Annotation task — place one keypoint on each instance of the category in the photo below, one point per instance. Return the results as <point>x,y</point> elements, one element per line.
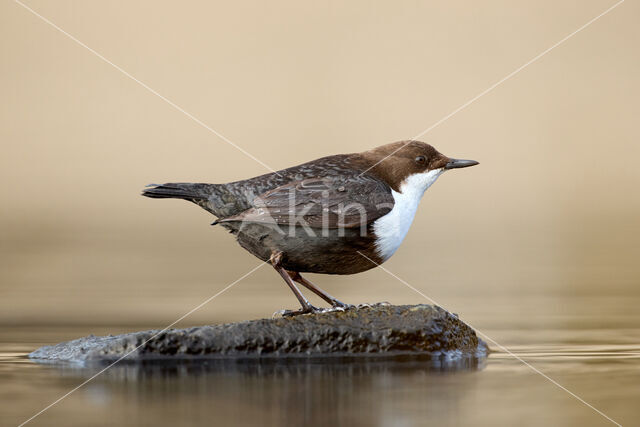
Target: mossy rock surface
<point>366,330</point>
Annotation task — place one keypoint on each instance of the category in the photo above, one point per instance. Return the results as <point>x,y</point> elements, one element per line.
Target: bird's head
<point>410,165</point>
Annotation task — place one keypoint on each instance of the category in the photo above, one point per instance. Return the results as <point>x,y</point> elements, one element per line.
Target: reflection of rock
<point>364,391</point>
<point>381,329</point>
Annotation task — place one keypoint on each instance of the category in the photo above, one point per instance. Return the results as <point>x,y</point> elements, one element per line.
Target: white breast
<point>391,229</point>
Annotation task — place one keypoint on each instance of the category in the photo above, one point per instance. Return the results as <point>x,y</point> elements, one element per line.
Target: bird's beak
<point>459,163</point>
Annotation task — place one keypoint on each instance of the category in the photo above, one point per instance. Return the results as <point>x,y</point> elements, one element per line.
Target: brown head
<point>397,161</point>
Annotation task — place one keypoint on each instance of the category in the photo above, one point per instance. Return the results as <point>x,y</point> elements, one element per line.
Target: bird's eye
<point>421,160</point>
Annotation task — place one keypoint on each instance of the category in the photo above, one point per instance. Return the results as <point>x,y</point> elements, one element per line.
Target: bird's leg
<point>276,260</point>
<point>316,290</point>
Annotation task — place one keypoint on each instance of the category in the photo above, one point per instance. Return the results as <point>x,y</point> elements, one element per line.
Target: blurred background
<point>553,208</point>
<point>542,236</point>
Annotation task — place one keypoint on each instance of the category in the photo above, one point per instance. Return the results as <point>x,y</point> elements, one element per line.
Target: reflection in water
<point>272,368</point>
<point>276,392</point>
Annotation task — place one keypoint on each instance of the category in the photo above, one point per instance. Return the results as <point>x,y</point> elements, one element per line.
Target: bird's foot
<point>342,305</point>
<point>304,310</point>
<point>335,306</point>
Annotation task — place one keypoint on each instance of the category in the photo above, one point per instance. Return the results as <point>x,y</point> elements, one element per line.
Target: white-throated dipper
<point>340,214</point>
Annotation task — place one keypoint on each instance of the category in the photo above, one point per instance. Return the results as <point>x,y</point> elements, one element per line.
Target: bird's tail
<point>175,190</point>
<point>199,194</point>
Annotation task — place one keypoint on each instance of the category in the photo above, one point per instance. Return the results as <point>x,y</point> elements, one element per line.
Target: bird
<point>339,214</point>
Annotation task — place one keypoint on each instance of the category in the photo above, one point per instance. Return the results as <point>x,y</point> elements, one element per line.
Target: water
<point>595,357</point>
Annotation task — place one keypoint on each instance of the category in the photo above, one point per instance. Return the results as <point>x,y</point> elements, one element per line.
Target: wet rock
<point>380,329</point>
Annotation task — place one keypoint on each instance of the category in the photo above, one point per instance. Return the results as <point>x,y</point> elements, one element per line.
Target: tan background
<point>552,209</point>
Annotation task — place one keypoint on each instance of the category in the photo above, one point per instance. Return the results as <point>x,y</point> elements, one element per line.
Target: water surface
<point>600,364</point>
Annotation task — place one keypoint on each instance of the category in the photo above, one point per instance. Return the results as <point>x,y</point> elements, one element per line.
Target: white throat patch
<point>391,229</point>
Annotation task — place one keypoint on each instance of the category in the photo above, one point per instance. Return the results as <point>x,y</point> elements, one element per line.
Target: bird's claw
<point>305,310</point>
<point>337,305</point>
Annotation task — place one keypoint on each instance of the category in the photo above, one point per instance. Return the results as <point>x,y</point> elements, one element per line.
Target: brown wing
<point>321,202</point>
